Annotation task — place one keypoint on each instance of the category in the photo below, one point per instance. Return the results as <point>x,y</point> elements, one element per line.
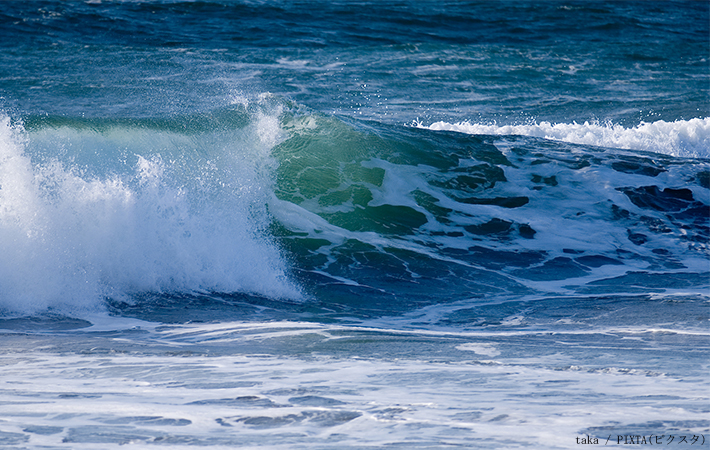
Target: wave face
<point>104,209</point>
<point>392,218</point>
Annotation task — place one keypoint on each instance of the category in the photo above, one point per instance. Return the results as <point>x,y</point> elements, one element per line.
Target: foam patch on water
<point>72,235</point>
<point>286,385</point>
<point>678,138</point>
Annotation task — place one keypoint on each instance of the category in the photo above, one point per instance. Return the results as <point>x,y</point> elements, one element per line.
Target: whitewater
<point>677,138</point>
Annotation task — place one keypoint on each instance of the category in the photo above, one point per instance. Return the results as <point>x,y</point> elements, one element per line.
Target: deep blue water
<point>454,208</point>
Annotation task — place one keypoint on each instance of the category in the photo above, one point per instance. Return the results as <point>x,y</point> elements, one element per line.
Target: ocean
<point>291,224</point>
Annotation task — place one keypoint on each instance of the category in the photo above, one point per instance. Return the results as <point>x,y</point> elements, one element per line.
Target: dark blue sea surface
<point>346,224</point>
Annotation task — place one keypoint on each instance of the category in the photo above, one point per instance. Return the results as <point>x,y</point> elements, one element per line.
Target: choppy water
<point>353,224</point>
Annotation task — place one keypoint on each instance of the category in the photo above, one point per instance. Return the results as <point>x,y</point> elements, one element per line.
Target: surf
<point>676,138</point>
<point>91,212</point>
<point>267,198</point>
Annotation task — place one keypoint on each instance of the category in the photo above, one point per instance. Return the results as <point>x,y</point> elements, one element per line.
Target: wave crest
<point>71,237</point>
<point>684,138</point>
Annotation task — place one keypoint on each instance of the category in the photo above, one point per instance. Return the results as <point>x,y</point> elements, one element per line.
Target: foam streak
<point>679,138</point>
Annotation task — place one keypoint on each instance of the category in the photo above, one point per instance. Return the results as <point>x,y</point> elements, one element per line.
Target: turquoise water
<point>353,224</point>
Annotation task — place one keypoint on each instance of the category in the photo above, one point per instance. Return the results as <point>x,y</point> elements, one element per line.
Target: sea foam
<point>685,138</point>
<point>71,236</point>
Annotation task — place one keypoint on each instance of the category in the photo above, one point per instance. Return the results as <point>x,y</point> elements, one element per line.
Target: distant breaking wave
<point>679,138</point>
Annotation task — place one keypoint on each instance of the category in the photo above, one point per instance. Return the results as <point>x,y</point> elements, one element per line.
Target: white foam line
<point>300,327</point>
<point>678,138</point>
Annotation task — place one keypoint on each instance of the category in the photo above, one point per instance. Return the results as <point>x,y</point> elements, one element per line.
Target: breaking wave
<point>678,138</point>
<point>91,212</point>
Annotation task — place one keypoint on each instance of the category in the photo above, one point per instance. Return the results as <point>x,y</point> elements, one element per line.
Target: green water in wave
<point>400,217</point>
